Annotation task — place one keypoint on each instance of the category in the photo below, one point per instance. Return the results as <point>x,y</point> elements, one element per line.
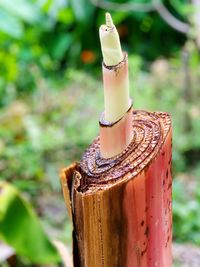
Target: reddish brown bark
<point>121,207</point>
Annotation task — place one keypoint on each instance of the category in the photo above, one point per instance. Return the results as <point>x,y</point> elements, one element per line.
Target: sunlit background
<point>51,97</point>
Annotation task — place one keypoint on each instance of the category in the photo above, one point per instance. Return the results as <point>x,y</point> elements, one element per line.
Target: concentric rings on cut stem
<point>150,130</point>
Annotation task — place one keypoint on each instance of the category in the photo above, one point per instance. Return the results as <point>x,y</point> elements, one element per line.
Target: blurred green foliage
<point>27,237</point>
<point>51,97</point>
<point>54,35</point>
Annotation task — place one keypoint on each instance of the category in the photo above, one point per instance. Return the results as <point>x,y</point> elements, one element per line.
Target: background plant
<point>51,93</point>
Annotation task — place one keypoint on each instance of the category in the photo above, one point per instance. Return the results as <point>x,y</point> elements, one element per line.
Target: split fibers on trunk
<point>121,207</point>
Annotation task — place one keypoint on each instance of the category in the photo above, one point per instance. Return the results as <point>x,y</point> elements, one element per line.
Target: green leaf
<point>21,229</point>
<point>22,9</point>
<point>82,9</point>
<point>61,45</point>
<point>10,24</point>
<point>66,16</point>
<point>47,5</point>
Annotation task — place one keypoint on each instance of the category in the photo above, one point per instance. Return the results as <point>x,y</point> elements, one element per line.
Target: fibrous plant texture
<point>121,206</point>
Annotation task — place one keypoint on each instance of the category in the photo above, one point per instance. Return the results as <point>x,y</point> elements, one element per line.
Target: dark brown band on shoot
<point>117,115</point>
<point>116,90</point>
<point>104,123</point>
<point>119,65</point>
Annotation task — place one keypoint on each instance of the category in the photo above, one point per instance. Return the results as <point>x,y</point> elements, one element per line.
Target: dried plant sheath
<point>121,207</point>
